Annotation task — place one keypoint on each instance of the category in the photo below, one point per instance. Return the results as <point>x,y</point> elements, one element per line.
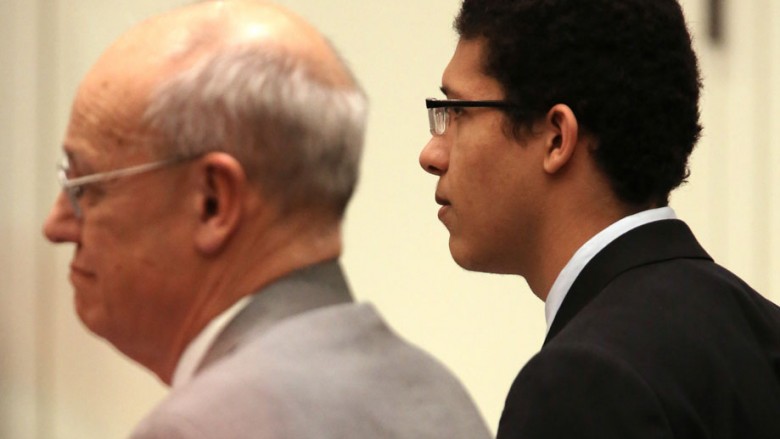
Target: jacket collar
<point>304,290</point>
<point>653,242</point>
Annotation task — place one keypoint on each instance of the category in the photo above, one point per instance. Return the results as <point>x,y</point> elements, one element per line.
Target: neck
<point>566,237</point>
<point>255,258</point>
<point>580,211</point>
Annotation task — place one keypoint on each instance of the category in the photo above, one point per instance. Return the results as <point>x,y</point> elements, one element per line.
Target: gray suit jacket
<point>303,361</point>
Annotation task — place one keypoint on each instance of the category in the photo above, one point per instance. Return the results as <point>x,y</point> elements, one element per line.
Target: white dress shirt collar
<point>196,350</point>
<point>594,245</point>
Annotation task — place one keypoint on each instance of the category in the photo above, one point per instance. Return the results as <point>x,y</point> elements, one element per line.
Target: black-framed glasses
<point>74,187</point>
<point>439,115</point>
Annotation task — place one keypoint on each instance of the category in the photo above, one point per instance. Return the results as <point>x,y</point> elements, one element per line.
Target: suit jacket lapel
<point>303,290</point>
<point>649,243</point>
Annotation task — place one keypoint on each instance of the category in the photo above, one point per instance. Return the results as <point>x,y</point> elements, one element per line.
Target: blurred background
<point>58,381</point>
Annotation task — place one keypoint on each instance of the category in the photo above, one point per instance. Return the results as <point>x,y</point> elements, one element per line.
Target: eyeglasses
<point>74,187</point>
<point>439,111</point>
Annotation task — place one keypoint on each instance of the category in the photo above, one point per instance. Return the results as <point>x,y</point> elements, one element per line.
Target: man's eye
<point>77,191</point>
<point>455,111</point>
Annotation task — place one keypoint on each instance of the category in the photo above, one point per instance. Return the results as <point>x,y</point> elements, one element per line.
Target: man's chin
<point>465,258</point>
<point>91,316</point>
<point>470,260</point>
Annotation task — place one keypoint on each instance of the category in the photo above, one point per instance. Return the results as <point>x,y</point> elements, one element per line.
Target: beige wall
<point>58,381</point>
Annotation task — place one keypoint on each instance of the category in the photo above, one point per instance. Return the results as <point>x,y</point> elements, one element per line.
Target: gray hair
<point>298,137</point>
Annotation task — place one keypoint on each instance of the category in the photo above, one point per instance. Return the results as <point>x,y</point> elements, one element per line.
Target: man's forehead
<point>465,78</point>
<point>110,106</point>
<point>102,129</point>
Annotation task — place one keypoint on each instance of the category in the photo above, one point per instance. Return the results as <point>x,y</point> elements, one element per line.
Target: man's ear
<point>562,141</point>
<point>222,188</point>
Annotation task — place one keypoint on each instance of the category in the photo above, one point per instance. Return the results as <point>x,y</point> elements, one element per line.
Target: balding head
<point>248,78</point>
<point>173,40</point>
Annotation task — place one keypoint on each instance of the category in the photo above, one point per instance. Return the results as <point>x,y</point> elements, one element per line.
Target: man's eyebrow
<point>75,161</point>
<point>449,93</point>
<point>69,153</point>
<point>446,91</point>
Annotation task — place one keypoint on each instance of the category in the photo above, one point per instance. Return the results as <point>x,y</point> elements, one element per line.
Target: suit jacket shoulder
<point>335,371</point>
<point>654,334</point>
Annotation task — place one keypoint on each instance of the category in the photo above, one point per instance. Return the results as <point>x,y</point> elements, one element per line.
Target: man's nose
<point>434,157</point>
<point>61,224</point>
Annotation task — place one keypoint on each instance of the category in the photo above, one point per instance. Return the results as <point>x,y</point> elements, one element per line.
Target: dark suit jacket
<point>653,340</point>
<point>302,361</point>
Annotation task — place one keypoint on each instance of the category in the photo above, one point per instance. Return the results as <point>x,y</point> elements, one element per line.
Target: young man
<point>566,125</point>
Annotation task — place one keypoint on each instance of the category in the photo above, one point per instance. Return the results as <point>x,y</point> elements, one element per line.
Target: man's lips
<point>445,206</point>
<point>75,269</point>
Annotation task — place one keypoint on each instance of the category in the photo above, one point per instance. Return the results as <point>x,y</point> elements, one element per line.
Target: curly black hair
<point>626,68</point>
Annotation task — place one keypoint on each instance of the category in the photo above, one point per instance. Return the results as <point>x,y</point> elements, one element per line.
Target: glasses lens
<point>437,119</point>
<point>71,192</point>
<point>73,197</point>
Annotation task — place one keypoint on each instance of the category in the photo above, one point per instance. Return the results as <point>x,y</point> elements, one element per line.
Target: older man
<point>566,126</point>
<point>209,158</point>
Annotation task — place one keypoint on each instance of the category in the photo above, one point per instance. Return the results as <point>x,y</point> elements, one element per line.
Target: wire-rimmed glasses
<point>74,187</point>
